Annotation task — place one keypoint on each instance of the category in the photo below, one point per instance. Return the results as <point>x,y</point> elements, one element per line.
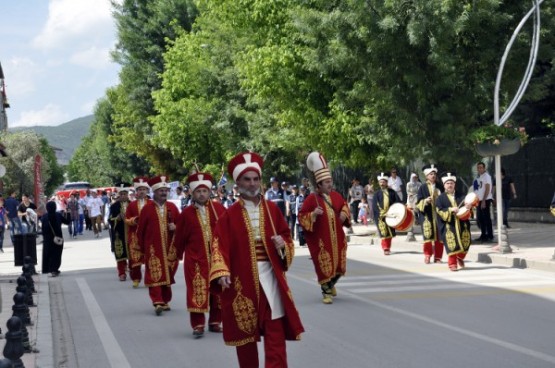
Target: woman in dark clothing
<point>51,252</point>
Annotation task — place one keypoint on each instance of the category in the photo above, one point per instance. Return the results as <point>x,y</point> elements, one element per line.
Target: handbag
<point>58,240</point>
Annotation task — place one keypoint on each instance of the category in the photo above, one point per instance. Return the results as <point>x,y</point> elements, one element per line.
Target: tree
<point>98,160</point>
<point>22,147</point>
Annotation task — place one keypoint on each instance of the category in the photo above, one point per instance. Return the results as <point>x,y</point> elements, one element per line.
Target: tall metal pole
<point>502,236</point>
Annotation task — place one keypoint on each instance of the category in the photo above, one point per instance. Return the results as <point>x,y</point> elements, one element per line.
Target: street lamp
<point>503,239</point>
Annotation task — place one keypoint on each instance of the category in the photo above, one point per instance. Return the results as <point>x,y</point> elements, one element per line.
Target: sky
<point>56,58</point>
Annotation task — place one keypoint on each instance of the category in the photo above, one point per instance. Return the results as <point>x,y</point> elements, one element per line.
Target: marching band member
<point>383,199</point>
<point>426,204</point>
<point>195,229</point>
<point>455,233</point>
<point>118,235</point>
<point>155,236</point>
<point>322,217</point>
<point>140,184</point>
<point>251,252</point>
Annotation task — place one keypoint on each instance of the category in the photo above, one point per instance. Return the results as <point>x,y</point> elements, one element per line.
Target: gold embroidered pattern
<point>450,237</point>
<point>199,288</point>
<point>218,267</point>
<point>154,265</point>
<point>118,247</point>
<point>465,238</point>
<point>427,227</point>
<point>324,259</point>
<point>243,310</point>
<point>333,231</point>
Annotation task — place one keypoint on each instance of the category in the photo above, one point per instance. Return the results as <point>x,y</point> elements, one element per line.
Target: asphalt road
<point>390,312</point>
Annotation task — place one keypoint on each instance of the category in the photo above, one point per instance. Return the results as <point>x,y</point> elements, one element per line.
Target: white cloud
<point>88,107</point>
<point>49,115</point>
<point>20,76</point>
<point>69,20</point>
<point>93,57</point>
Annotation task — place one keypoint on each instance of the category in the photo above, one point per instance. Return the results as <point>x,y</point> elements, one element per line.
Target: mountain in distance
<point>66,136</point>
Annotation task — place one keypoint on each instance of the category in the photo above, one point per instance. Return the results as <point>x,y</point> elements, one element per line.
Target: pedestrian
<point>95,207</point>
<point>86,214</point>
<point>251,252</point>
<point>195,229</point>
<point>426,204</point>
<point>155,236</point>
<point>27,224</point>
<point>298,205</point>
<point>363,211</point>
<point>118,230</point>
<point>383,199</point>
<point>132,216</point>
<point>355,195</point>
<point>455,232</point>
<point>552,207</point>
<point>52,236</point>
<point>322,216</point>
<point>3,222</point>
<point>291,209</point>
<point>276,194</point>
<point>73,211</point>
<point>394,182</point>
<point>11,204</point>
<point>484,207</point>
<point>508,192</point>
<point>369,191</point>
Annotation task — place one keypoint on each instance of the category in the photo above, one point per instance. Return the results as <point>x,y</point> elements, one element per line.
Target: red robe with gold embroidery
<point>131,219</point>
<point>325,237</point>
<point>194,237</point>
<point>156,242</point>
<point>234,255</point>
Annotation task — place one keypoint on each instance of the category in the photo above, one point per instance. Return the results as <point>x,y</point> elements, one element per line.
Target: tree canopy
<point>370,84</point>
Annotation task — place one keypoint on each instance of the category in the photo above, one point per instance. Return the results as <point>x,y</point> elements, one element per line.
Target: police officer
<point>276,194</point>
<point>291,209</point>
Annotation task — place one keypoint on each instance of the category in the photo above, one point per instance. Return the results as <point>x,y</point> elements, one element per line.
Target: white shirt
<point>484,179</point>
<point>95,206</point>
<point>266,275</point>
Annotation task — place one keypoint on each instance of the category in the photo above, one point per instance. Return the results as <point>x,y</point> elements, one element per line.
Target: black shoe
<point>478,240</point>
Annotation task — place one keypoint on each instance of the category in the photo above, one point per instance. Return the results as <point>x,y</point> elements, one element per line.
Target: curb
<point>45,359</point>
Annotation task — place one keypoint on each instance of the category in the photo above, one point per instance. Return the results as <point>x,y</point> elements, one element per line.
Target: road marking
<point>492,340</point>
<point>115,355</point>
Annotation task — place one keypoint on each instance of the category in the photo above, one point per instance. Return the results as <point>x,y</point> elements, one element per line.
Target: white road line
<point>504,344</point>
<point>115,355</point>
<point>442,285</point>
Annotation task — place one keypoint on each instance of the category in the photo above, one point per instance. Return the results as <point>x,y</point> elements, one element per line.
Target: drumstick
<point>281,251</point>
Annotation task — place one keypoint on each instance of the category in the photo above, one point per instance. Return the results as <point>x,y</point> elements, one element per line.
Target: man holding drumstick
<point>426,204</point>
<point>455,233</point>
<point>383,199</point>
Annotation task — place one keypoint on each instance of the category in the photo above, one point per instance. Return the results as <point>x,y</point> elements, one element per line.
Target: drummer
<point>455,232</point>
<point>383,199</point>
<point>426,204</point>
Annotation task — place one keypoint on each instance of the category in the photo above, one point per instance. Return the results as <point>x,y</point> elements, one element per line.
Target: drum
<point>399,217</point>
<point>464,214</point>
<point>471,198</point>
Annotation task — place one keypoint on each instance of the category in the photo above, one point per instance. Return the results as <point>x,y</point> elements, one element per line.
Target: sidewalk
<point>533,246</point>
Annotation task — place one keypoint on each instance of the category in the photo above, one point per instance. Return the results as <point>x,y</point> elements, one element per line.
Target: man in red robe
<point>322,217</point>
<point>155,236</point>
<point>251,251</point>
<point>195,228</point>
<point>132,220</point>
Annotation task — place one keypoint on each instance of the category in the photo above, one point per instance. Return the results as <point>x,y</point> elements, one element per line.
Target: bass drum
<point>464,214</point>
<point>399,217</point>
<point>472,199</point>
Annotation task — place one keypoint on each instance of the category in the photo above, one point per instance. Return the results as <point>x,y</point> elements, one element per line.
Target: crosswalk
<point>477,281</point>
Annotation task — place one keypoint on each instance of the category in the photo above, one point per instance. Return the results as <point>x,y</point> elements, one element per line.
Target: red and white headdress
<point>140,182</point>
<point>448,177</point>
<point>317,164</point>
<point>244,162</point>
<point>157,182</point>
<point>198,180</point>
